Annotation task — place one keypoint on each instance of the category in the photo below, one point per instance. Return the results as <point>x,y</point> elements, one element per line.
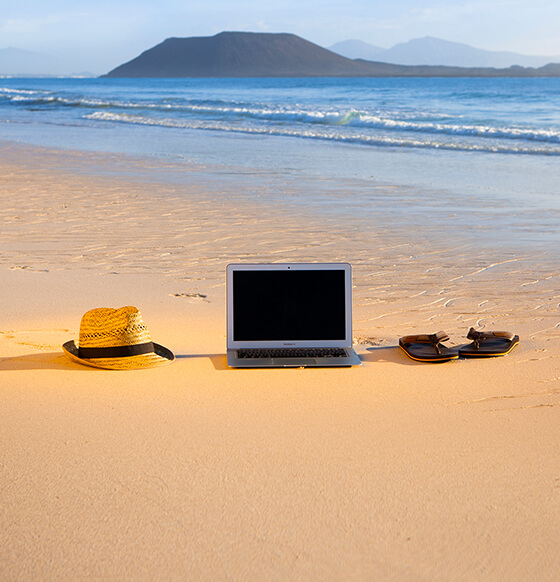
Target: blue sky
<point>97,35</point>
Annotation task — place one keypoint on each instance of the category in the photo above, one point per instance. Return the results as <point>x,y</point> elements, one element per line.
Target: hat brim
<point>159,357</point>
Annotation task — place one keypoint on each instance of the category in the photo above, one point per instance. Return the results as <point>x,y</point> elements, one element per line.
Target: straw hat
<point>116,339</point>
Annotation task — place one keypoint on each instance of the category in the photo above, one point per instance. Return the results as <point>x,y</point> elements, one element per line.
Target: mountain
<point>249,54</point>
<point>238,54</point>
<point>435,51</point>
<point>358,49</point>
<point>14,61</point>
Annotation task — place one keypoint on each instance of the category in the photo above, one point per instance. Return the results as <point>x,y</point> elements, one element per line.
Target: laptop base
<point>351,359</point>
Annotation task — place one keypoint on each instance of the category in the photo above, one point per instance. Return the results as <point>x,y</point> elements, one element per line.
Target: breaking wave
<point>400,119</point>
<point>354,137</point>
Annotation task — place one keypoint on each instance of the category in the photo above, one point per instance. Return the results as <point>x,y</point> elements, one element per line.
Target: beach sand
<point>392,470</point>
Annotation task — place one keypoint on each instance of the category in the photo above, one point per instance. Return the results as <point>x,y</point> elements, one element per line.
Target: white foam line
<point>379,287</point>
<point>485,269</point>
<point>385,315</point>
<point>321,133</point>
<point>545,330</point>
<point>335,118</point>
<point>432,303</point>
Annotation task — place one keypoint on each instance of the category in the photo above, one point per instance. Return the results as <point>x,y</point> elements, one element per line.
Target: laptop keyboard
<point>292,353</point>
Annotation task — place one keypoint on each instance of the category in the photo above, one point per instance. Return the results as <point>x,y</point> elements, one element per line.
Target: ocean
<point>484,147</point>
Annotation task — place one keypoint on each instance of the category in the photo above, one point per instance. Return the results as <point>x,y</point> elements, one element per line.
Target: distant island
<point>429,50</point>
<point>250,54</point>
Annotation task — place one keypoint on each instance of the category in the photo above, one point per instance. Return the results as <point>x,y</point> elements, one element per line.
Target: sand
<point>392,470</point>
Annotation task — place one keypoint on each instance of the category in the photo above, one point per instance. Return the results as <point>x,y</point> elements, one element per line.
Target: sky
<point>98,35</point>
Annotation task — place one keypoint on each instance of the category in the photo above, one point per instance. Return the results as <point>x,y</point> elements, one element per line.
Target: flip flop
<point>488,343</point>
<point>428,348</point>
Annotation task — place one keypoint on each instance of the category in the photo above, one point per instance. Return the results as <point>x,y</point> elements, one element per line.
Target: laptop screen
<point>289,305</point>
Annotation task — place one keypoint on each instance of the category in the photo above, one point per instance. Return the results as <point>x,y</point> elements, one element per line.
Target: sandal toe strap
<point>478,336</point>
<point>435,339</point>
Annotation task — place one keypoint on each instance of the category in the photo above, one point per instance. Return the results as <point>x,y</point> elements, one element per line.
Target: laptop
<point>289,315</point>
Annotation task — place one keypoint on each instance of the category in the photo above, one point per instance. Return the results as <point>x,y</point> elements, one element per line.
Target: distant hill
<point>435,51</point>
<point>238,54</point>
<point>358,49</point>
<point>248,54</point>
<point>14,61</point>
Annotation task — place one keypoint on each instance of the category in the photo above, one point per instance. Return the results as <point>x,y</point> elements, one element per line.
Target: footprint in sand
<point>27,268</point>
<point>40,339</point>
<point>196,296</point>
<point>370,341</point>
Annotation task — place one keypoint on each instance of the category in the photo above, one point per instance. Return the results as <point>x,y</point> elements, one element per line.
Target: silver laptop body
<point>289,315</point>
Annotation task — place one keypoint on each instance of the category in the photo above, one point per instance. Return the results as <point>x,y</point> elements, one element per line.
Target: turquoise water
<point>492,145</point>
<point>508,116</point>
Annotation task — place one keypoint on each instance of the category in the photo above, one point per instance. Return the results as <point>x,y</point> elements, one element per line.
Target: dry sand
<point>393,470</point>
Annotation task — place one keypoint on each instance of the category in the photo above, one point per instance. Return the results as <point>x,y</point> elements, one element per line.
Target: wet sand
<point>392,470</point>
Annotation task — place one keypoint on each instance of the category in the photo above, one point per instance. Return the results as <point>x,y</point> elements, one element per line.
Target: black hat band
<point>116,351</point>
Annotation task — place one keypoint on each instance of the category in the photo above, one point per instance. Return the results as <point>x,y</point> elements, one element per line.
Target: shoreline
<point>392,469</point>
<point>71,211</point>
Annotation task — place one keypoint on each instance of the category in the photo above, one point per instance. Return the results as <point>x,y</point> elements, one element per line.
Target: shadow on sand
<point>58,361</point>
<point>385,355</point>
<point>219,361</point>
<point>42,361</point>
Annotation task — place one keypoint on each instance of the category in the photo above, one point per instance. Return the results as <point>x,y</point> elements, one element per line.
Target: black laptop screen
<point>289,305</point>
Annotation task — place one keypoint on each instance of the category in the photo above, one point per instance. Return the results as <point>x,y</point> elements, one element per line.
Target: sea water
<point>478,147</point>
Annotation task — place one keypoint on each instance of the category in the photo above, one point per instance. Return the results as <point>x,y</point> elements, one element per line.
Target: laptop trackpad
<point>293,362</point>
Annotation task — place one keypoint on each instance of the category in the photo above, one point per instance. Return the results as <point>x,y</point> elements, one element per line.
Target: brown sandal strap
<point>435,339</point>
<point>478,336</point>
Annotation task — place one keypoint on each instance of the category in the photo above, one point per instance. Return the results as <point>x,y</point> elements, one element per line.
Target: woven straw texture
<point>106,328</point>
